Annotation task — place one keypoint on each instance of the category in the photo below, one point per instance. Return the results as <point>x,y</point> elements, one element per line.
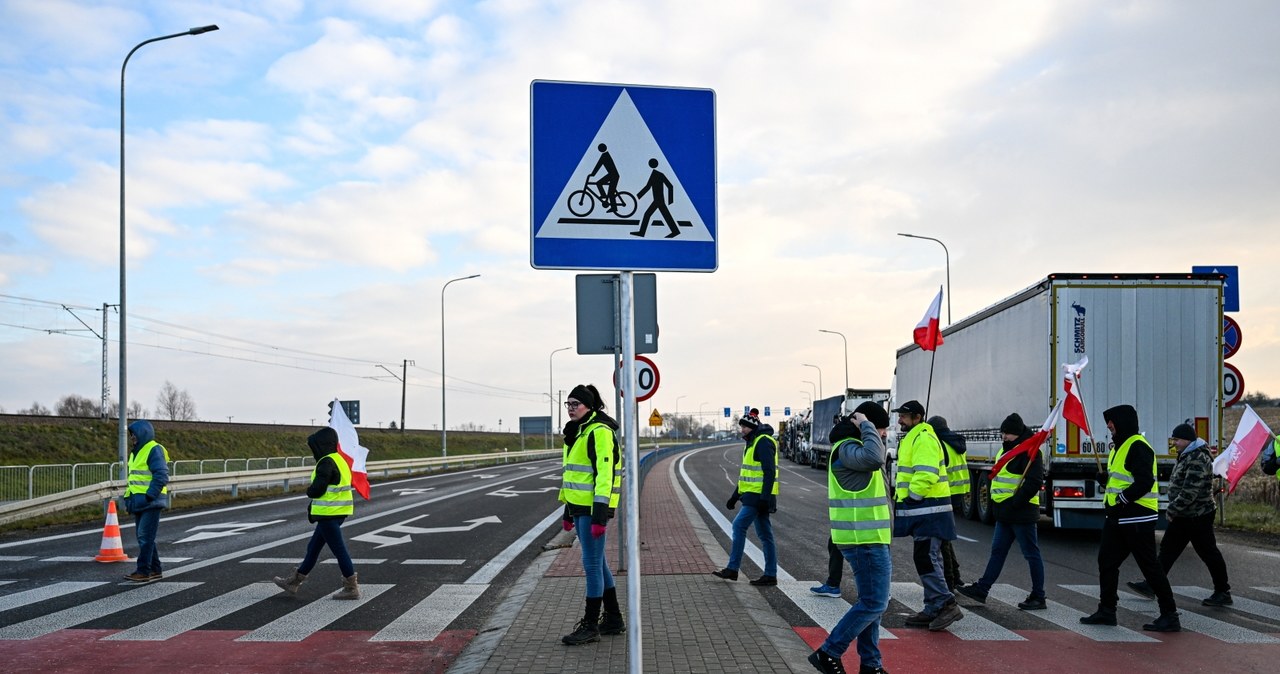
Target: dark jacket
<point>144,432</point>
<point>323,443</point>
<point>1139,463</point>
<point>767,455</point>
<point>599,513</point>
<point>1018,508</point>
<point>1191,482</point>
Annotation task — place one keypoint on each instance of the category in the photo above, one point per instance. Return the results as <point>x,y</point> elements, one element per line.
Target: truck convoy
<point>815,447</point>
<point>1153,341</point>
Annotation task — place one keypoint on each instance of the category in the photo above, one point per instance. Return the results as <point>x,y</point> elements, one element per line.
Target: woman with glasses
<point>592,481</point>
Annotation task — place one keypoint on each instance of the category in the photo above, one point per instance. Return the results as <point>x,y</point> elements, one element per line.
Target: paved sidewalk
<point>693,622</point>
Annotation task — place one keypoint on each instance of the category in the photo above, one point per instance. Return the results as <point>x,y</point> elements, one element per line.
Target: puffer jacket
<point>1191,482</point>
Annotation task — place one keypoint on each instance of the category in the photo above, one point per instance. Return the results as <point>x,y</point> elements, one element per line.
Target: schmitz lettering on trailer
<point>1078,341</point>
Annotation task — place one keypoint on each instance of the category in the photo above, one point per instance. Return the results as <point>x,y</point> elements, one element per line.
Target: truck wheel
<point>982,496</point>
<point>970,511</point>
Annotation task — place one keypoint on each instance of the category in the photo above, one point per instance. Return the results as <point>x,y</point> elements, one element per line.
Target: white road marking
<point>15,558</point>
<point>377,535</point>
<point>1222,631</point>
<point>426,620</point>
<point>972,627</point>
<point>826,611</point>
<point>1238,603</point>
<point>752,551</point>
<point>966,538</point>
<point>192,617</point>
<point>36,594</point>
<point>440,562</point>
<point>1069,618</point>
<point>89,558</point>
<point>313,617</point>
<point>52,622</point>
<point>1266,553</point>
<point>493,567</point>
<point>222,530</point>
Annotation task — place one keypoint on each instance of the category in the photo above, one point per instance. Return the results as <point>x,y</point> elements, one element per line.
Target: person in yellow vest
<point>954,446</point>
<point>591,486</point>
<point>145,496</point>
<point>331,503</point>
<point>758,491</point>
<point>861,528</point>
<point>1015,498</point>
<point>1132,508</point>
<point>922,498</point>
<point>1271,459</point>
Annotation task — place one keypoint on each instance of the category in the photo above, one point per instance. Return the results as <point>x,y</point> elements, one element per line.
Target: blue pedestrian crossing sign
<point>623,177</point>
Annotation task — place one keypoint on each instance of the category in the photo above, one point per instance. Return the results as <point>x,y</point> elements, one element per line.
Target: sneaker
<point>1100,617</point>
<point>825,663</point>
<point>1141,588</point>
<point>971,591</point>
<point>1167,622</point>
<point>612,624</point>
<point>136,577</point>
<point>950,613</point>
<point>825,590</point>
<point>156,576</point>
<point>726,573</point>
<point>765,581</point>
<point>1218,599</point>
<point>920,619</point>
<point>584,633</point>
<point>1033,603</point>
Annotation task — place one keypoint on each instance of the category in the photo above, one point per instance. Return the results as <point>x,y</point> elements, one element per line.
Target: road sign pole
<point>634,653</point>
<point>623,523</point>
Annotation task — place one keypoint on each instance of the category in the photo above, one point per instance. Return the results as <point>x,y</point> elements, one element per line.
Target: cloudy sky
<point>302,183</point>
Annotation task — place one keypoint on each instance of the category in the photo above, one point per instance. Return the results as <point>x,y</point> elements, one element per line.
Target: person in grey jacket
<point>1190,514</point>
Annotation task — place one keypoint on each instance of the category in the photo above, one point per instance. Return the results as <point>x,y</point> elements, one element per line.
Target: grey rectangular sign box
<point>598,317</point>
<point>535,425</point>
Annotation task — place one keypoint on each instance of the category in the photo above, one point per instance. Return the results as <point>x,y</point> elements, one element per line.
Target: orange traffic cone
<point>112,549</point>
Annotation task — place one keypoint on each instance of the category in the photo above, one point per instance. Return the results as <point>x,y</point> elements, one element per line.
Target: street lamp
<point>945,252</point>
<point>551,387</point>
<point>444,425</point>
<point>819,377</point>
<point>846,357</point>
<point>701,423</point>
<point>815,389</point>
<point>123,438</point>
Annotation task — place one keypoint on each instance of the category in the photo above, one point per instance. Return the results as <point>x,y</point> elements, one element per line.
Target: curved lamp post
<point>846,356</point>
<point>945,252</point>
<point>819,377</point>
<point>444,426</point>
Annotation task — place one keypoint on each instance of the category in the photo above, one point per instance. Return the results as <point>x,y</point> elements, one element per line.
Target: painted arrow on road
<point>383,541</point>
<point>413,492</point>
<point>508,492</point>
<point>223,530</point>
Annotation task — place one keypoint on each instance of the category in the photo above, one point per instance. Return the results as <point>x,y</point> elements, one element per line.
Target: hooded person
<point>954,447</point>
<point>758,491</point>
<point>146,495</point>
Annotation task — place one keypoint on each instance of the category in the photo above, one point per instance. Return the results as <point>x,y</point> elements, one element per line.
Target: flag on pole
<point>1031,446</point>
<point>1073,410</point>
<point>928,334</point>
<point>1252,436</point>
<point>350,449</point>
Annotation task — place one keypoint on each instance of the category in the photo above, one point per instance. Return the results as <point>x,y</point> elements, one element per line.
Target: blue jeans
<point>328,532</point>
<point>764,529</point>
<point>147,523</point>
<point>594,565</point>
<point>872,569</point>
<point>927,556</point>
<point>1003,539</point>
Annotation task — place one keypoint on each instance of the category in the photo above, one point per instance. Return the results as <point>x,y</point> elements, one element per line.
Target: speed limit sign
<point>1232,384</point>
<point>646,378</point>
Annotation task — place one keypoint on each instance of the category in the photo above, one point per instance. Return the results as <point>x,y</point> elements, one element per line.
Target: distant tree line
<point>172,404</point>
<point>1260,399</point>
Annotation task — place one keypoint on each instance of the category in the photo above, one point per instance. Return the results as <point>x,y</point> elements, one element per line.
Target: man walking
<point>663,195</point>
<point>758,491</point>
<point>146,495</point>
<point>923,501</point>
<point>954,448</point>
<point>1132,507</point>
<point>1190,515</point>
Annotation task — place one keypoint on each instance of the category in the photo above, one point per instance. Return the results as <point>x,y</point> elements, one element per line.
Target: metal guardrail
<point>27,482</point>
<point>107,489</point>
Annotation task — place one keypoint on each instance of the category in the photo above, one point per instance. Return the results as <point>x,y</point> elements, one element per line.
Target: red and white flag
<point>928,333</point>
<point>1031,446</point>
<point>350,449</point>
<point>1073,410</point>
<point>1252,436</point>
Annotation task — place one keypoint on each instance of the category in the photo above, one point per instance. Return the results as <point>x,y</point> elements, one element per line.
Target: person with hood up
<point>1132,508</point>
<point>758,491</point>
<point>145,496</point>
<point>332,501</point>
<point>1190,514</point>
<point>1015,499</point>
<point>954,447</point>
<point>592,483</point>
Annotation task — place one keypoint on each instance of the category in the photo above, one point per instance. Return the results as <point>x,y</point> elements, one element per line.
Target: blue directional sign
<point>726,412</point>
<point>786,411</point>
<point>1230,287</point>
<point>623,177</point>
<point>766,410</point>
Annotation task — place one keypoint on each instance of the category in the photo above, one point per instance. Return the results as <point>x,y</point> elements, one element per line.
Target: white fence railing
<point>27,482</point>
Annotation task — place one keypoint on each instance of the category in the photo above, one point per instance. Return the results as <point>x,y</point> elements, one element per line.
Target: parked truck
<point>1153,341</point>
<point>826,411</point>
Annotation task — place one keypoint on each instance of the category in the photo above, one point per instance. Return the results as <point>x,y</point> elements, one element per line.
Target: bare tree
<point>76,406</point>
<point>36,408</point>
<point>174,404</point>
<point>135,410</point>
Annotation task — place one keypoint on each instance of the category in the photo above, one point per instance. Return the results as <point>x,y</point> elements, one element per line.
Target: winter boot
<point>612,622</point>
<point>587,629</point>
<point>350,588</point>
<point>1103,616</point>
<point>1167,622</point>
<point>826,663</point>
<point>291,583</point>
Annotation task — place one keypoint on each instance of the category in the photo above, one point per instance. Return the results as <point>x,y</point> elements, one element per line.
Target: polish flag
<point>1031,446</point>
<point>350,449</point>
<point>1073,411</point>
<point>928,334</point>
<point>1252,436</point>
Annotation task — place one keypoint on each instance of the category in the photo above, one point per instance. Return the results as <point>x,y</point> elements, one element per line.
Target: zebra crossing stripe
<point>34,595</point>
<point>313,617</point>
<point>15,558</point>
<point>825,611</point>
<point>429,617</point>
<point>191,617</point>
<point>47,624</point>
<point>972,628</point>
<point>1269,590</point>
<point>1069,618</point>
<point>1237,603</point>
<point>1217,629</point>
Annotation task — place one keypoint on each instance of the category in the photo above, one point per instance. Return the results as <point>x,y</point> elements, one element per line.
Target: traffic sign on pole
<point>1230,285</point>
<point>1232,337</point>
<point>1232,385</point>
<point>646,378</point>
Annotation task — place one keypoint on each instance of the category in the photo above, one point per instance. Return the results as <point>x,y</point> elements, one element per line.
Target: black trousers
<point>1198,531</point>
<point>835,564</point>
<point>951,565</point>
<point>1118,542</point>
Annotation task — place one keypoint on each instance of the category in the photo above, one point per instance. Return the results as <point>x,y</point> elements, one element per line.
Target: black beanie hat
<point>1013,425</point>
<point>587,395</point>
<point>874,413</point>
<point>1184,432</point>
<point>750,422</point>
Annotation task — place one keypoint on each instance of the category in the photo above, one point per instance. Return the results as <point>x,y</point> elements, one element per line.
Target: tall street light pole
<point>946,253</point>
<point>815,389</point>
<point>124,394</point>
<point>444,425</point>
<point>701,423</point>
<point>819,377</point>
<point>551,387</point>
<point>846,356</point>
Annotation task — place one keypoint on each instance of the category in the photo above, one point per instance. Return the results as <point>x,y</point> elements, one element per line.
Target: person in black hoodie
<point>1132,508</point>
<point>1015,500</point>
<point>954,447</point>
<point>331,503</point>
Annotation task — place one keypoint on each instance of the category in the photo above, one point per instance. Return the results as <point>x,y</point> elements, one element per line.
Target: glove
<point>597,530</point>
<point>567,525</point>
<point>733,501</point>
<point>1101,477</point>
<point>770,503</point>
